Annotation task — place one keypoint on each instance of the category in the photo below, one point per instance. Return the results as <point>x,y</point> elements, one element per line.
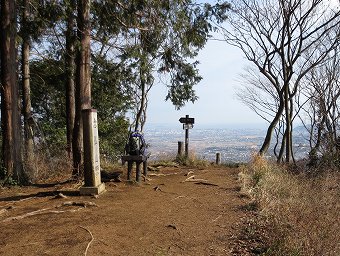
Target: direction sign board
<point>187,120</point>
<point>188,126</point>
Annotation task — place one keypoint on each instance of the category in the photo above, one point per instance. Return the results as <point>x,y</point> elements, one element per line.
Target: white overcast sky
<point>220,66</point>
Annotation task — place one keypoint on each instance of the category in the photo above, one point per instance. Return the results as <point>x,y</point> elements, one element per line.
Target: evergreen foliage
<point>134,44</point>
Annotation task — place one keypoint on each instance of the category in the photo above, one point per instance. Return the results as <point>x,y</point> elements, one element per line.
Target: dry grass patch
<point>44,168</point>
<point>304,211</point>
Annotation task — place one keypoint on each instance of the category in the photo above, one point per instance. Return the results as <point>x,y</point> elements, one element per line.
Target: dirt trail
<point>162,216</point>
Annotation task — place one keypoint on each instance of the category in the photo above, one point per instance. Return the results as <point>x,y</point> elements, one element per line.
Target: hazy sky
<point>220,67</point>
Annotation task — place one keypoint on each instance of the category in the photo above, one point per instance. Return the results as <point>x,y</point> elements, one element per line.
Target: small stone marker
<point>93,184</point>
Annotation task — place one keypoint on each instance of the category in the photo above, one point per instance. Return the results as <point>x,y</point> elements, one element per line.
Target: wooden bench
<point>138,160</point>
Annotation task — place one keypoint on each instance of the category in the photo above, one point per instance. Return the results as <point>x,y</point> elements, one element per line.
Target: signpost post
<point>188,123</point>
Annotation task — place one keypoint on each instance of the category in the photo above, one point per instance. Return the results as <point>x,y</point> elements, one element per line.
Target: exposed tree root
<point>51,210</point>
<point>199,181</point>
<point>206,183</point>
<point>82,204</point>
<point>162,174</point>
<point>193,179</point>
<point>92,238</point>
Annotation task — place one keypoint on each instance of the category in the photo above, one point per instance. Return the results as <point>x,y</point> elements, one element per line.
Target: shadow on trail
<point>53,193</point>
<point>40,194</point>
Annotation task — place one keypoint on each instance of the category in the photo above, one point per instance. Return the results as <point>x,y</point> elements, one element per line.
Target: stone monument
<point>93,184</point>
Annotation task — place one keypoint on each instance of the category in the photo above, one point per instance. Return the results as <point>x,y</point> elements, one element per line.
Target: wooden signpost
<point>188,123</point>
<point>93,184</point>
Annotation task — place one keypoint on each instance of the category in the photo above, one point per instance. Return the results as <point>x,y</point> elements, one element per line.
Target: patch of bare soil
<point>178,211</point>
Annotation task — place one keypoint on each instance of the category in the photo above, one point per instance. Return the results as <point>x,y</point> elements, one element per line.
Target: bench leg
<point>145,168</point>
<point>130,163</point>
<point>137,171</point>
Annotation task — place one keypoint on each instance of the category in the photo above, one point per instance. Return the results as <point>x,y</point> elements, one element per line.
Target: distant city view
<point>235,144</point>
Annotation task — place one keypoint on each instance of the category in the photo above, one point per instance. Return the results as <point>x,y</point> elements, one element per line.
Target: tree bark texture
<point>83,81</point>
<point>142,105</point>
<point>271,127</point>
<point>10,113</point>
<point>26,91</point>
<point>288,124</point>
<point>70,74</point>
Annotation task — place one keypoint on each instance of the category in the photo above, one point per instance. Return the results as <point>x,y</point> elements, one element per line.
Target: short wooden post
<point>218,158</point>
<point>180,148</point>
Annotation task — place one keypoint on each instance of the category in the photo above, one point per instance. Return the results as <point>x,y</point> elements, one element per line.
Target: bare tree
<point>321,116</point>
<point>257,93</point>
<point>280,37</point>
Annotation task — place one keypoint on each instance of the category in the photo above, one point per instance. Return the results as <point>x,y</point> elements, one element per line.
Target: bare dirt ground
<point>160,216</point>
